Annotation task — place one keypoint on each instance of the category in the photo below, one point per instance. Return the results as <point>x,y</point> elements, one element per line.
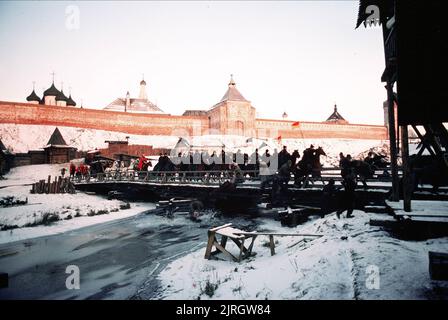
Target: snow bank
<point>339,265</point>
<point>46,214</point>
<point>21,138</point>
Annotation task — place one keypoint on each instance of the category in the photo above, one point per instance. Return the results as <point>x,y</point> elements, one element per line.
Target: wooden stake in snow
<point>59,185</point>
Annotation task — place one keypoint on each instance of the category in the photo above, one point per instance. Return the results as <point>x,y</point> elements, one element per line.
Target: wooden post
<point>391,118</point>
<point>48,186</point>
<point>211,240</point>
<point>272,244</point>
<point>407,187</point>
<point>392,142</point>
<point>58,188</point>
<point>241,250</point>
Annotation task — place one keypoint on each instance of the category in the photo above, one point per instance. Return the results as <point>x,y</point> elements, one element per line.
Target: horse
<point>112,171</point>
<point>363,170</point>
<point>309,165</point>
<point>429,169</point>
<point>97,167</point>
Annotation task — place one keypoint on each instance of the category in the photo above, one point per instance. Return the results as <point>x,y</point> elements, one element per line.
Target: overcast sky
<point>295,56</point>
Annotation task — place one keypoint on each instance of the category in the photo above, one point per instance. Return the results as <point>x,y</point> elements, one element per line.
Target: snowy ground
<point>21,138</point>
<point>72,210</point>
<point>342,264</point>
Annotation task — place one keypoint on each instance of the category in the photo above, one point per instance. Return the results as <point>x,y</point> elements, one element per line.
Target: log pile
<point>59,185</point>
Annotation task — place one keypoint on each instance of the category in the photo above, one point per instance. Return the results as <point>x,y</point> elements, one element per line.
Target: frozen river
<point>117,260</point>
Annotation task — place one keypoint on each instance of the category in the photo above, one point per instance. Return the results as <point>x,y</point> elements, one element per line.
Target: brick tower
<point>233,114</point>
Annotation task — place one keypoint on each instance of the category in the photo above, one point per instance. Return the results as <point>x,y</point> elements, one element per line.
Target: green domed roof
<point>70,101</point>
<point>52,91</point>
<point>33,97</point>
<point>61,96</point>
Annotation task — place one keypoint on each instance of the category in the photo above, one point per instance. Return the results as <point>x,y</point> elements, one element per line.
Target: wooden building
<point>57,150</point>
<point>5,159</point>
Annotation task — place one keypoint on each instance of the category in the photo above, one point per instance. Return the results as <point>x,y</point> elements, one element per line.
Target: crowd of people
<point>273,170</point>
<point>82,170</point>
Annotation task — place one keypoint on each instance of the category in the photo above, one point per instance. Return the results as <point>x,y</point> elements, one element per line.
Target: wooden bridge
<point>211,178</point>
<point>210,188</point>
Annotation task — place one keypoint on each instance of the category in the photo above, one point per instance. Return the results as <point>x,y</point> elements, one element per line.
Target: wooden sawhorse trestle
<point>227,232</point>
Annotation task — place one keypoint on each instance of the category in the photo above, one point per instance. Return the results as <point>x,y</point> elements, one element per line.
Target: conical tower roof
<point>232,93</point>
<point>2,146</point>
<point>335,116</point>
<point>56,140</point>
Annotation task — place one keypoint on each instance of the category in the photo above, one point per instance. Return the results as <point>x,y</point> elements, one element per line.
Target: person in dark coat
<point>72,170</point>
<point>344,164</point>
<point>309,152</point>
<point>283,156</point>
<point>348,197</point>
<point>294,157</point>
<point>284,174</point>
<point>328,200</point>
<point>370,158</point>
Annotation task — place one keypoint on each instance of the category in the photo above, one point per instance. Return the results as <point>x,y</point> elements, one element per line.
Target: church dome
<point>61,96</point>
<point>33,97</point>
<point>143,83</point>
<point>70,101</point>
<point>52,91</point>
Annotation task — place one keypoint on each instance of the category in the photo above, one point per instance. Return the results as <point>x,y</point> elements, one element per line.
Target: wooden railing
<point>204,177</point>
<point>199,177</point>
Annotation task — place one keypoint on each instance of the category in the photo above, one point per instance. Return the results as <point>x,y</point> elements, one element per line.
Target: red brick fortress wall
<point>154,124</point>
<point>133,123</point>
<point>274,128</point>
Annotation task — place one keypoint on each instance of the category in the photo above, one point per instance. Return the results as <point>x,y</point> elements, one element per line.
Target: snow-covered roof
<point>136,106</point>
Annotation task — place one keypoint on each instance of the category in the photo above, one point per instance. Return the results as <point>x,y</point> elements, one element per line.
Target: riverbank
<point>351,261</point>
<point>46,214</point>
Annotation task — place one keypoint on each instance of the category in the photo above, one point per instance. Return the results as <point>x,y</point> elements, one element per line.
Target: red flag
<point>296,124</point>
<point>279,138</point>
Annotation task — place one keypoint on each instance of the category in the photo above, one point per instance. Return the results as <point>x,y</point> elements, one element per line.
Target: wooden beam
<point>407,183</point>
<point>278,234</point>
<point>430,215</point>
<point>392,143</point>
<point>423,142</point>
<point>391,121</point>
<point>220,227</point>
